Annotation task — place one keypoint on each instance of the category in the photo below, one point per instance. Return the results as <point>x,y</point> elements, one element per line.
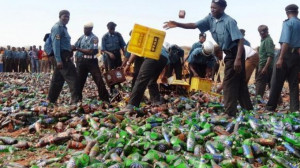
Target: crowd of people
<point>272,66</point>
<point>20,59</point>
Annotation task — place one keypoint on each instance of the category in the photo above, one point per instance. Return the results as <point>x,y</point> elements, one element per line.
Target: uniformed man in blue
<point>8,59</point>
<point>15,58</point>
<point>65,69</point>
<point>23,60</point>
<point>147,77</point>
<point>87,62</point>
<point>288,62</point>
<point>176,55</point>
<point>113,42</point>
<point>246,42</point>
<point>225,32</point>
<point>202,39</point>
<point>201,61</point>
<point>18,59</point>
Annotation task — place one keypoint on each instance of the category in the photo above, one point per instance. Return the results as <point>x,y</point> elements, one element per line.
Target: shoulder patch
<point>57,37</point>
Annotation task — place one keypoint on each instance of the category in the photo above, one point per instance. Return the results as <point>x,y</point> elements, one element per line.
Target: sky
<point>25,22</point>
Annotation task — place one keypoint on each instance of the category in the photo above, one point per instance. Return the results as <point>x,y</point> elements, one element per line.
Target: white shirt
<point>249,52</point>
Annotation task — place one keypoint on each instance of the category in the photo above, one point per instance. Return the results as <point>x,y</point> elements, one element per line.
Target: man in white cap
<point>87,49</point>
<point>201,61</point>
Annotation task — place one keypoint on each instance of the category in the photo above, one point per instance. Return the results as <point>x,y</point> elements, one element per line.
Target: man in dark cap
<point>246,42</point>
<point>227,35</point>
<point>266,55</point>
<point>202,39</point>
<point>288,62</point>
<point>65,69</point>
<point>8,59</point>
<point>176,55</point>
<point>112,42</point>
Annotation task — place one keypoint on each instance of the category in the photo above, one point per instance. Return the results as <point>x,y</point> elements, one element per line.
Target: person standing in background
<point>8,59</point>
<point>266,57</point>
<point>40,57</point>
<point>246,42</point>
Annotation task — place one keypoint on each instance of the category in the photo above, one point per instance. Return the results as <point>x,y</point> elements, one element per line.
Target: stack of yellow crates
<point>146,42</point>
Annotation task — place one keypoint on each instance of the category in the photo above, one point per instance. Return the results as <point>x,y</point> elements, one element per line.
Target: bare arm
<point>173,24</point>
<point>193,70</point>
<point>265,69</point>
<point>85,51</point>
<point>128,63</point>
<point>240,50</point>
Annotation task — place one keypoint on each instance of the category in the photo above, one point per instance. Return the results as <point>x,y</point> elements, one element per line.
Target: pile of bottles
<point>183,132</point>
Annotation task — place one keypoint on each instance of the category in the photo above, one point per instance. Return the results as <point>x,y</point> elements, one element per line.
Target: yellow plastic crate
<point>202,84</point>
<point>146,42</point>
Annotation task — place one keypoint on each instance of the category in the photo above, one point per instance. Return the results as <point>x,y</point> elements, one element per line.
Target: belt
<point>89,56</point>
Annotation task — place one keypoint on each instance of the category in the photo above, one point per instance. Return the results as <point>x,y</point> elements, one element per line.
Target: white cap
<point>89,25</point>
<point>167,46</point>
<point>208,48</point>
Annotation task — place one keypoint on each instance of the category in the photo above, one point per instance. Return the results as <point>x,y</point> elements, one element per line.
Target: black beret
<point>111,25</point>
<point>221,3</point>
<point>63,12</point>
<point>202,35</point>
<point>291,8</point>
<point>242,31</point>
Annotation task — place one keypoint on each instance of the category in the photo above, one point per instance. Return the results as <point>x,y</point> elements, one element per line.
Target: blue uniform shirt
<point>15,54</point>
<point>247,43</point>
<point>87,42</point>
<point>197,57</point>
<point>164,53</point>
<point>8,54</point>
<point>291,32</point>
<point>194,46</point>
<point>175,54</point>
<point>23,54</point>
<point>19,54</point>
<point>61,40</point>
<point>111,42</point>
<point>224,30</point>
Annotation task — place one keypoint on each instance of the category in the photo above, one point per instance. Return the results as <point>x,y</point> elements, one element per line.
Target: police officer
<point>287,64</point>
<point>65,69</point>
<point>87,49</point>
<point>225,32</point>
<point>15,59</point>
<point>266,56</point>
<point>148,75</point>
<point>201,61</point>
<point>176,55</point>
<point>202,39</point>
<point>23,60</point>
<point>246,42</point>
<point>8,59</point>
<point>112,42</point>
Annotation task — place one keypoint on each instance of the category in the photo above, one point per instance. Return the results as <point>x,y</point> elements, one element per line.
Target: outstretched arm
<point>173,24</point>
